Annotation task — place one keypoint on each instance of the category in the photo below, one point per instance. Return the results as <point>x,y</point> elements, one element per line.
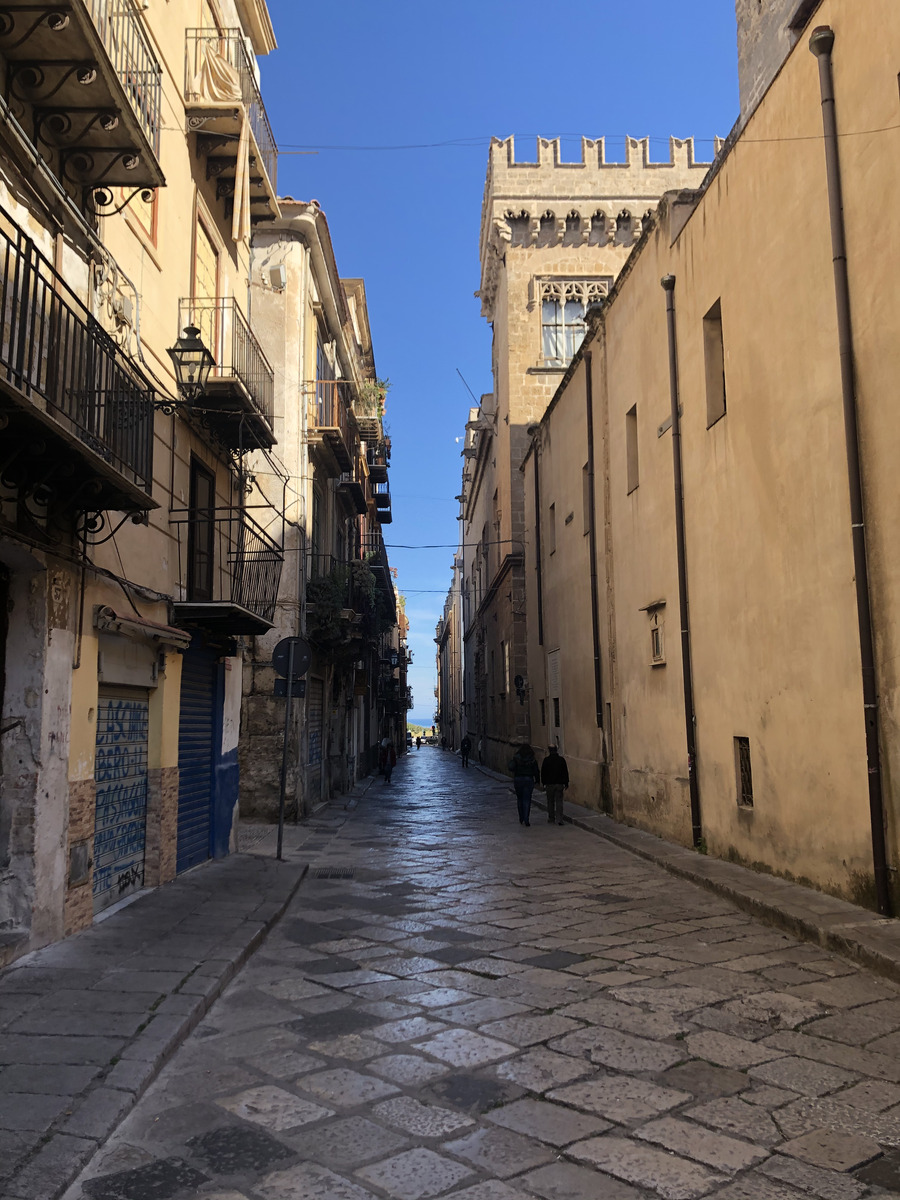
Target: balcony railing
<point>329,405</point>
<point>368,409</point>
<point>328,417</point>
<point>219,69</point>
<point>88,71</point>
<point>55,355</point>
<point>238,355</point>
<point>231,568</point>
<point>133,60</point>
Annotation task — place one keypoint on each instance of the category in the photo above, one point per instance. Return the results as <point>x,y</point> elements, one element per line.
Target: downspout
<point>592,541</point>
<point>821,44</point>
<point>539,570</point>
<point>690,720</point>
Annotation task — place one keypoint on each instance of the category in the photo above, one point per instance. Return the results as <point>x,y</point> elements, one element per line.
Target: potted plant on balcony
<point>339,604</point>
<point>326,599</point>
<point>372,396</point>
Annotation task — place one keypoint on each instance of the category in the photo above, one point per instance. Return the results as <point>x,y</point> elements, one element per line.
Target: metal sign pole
<point>284,749</point>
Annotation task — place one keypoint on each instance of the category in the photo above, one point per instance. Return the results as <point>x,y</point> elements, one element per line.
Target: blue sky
<point>354,81</point>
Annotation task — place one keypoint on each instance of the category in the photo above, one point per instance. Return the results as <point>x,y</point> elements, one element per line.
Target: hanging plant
<point>363,587</point>
<point>326,597</point>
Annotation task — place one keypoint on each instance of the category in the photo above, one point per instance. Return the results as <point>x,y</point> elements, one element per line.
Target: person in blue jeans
<point>523,767</point>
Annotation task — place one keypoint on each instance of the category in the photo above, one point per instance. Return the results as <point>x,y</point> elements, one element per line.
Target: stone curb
<point>95,1116</point>
<point>834,924</point>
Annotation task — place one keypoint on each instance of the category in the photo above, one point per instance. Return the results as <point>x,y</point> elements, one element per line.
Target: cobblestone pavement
<point>455,1005</point>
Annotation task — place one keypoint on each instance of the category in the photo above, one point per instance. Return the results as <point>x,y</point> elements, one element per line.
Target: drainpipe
<point>821,44</point>
<point>690,719</point>
<point>539,578</point>
<point>592,540</point>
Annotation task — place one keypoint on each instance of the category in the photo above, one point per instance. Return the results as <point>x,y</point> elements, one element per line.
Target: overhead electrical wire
<point>288,149</point>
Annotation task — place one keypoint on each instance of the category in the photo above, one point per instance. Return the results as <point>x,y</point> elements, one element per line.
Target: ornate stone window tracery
<point>563,305</point>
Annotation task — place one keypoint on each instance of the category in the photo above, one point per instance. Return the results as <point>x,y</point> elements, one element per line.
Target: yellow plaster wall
<point>770,570</point>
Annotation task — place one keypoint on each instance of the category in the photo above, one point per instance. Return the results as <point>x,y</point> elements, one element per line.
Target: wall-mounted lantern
<point>192,362</point>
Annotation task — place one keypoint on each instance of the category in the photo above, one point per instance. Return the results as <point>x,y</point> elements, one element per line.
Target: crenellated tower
<point>586,206</point>
<point>554,237</point>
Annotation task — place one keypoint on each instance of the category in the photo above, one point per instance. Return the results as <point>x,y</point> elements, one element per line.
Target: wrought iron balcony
<point>367,409</point>
<point>84,74</point>
<point>224,104</point>
<point>230,570</point>
<point>382,497</point>
<point>350,487</point>
<point>341,601</point>
<point>372,551</point>
<point>76,413</point>
<point>328,420</point>
<point>379,459</point>
<point>240,397</point>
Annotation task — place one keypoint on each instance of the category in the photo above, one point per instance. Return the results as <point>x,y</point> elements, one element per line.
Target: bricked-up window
<point>743,773</point>
<point>631,448</point>
<point>714,359</point>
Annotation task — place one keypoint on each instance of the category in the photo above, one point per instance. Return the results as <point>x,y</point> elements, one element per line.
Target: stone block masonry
<point>766,34</point>
<point>591,203</point>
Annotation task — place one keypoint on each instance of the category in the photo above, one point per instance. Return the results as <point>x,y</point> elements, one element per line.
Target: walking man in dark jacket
<point>555,778</point>
<point>465,748</point>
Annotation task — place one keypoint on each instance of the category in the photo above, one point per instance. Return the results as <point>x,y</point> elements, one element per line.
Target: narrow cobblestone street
<point>456,1005</point>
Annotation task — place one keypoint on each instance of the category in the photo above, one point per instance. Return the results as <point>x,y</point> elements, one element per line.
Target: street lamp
<point>192,362</point>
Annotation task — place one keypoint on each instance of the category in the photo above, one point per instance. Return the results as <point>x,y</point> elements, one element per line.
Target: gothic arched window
<point>563,305</point>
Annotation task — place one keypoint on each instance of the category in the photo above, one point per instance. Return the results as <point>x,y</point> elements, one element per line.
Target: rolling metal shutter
<point>120,775</point>
<point>315,703</point>
<point>196,730</point>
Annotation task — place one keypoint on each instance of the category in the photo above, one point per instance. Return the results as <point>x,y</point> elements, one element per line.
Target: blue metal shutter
<point>195,755</point>
<point>120,777</point>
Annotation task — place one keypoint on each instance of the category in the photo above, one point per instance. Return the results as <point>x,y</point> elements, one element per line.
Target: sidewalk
<point>86,1024</point>
<point>836,925</point>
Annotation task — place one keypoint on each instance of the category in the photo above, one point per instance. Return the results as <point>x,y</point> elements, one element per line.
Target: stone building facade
<point>554,237</point>
<point>732,615</point>
<point>767,32</point>
<point>130,561</point>
<point>330,471</point>
<point>447,635</point>
<point>139,554</point>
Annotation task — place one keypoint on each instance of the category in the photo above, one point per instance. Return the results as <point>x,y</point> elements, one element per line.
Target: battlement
<point>593,155</point>
<point>545,203</point>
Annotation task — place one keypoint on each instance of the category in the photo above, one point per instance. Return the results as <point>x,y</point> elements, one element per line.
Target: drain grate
<point>333,873</point>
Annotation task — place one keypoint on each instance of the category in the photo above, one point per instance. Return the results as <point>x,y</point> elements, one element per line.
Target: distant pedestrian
<point>555,778</point>
<point>465,749</point>
<point>443,743</point>
<point>418,743</point>
<point>523,767</point>
<point>390,760</point>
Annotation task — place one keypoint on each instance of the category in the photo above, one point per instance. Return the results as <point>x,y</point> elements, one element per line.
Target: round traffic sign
<point>302,656</point>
